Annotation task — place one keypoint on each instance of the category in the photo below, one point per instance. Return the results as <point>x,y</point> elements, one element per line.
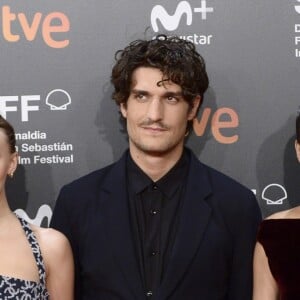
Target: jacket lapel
<point>194,217</point>
<point>116,211</point>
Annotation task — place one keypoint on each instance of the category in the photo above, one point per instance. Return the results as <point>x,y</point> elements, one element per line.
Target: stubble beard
<point>165,147</point>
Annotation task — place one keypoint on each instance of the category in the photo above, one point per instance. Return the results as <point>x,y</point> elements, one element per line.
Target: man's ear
<point>123,110</point>
<point>194,109</point>
<point>297,147</point>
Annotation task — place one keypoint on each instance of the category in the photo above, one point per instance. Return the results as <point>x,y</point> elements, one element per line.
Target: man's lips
<point>155,129</point>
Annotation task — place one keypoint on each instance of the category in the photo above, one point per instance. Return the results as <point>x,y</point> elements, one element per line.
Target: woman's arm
<point>58,260</point>
<point>264,285</point>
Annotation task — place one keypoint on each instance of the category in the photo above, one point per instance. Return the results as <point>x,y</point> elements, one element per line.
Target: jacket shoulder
<point>88,181</point>
<point>231,201</point>
<point>223,182</point>
<point>219,182</point>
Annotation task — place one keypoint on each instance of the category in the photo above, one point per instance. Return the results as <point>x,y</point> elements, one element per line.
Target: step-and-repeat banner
<point>56,58</point>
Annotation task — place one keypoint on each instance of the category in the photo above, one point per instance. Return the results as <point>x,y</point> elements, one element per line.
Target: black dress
<point>280,239</point>
<point>18,289</point>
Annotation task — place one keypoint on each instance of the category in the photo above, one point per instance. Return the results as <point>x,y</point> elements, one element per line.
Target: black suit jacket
<point>212,254</point>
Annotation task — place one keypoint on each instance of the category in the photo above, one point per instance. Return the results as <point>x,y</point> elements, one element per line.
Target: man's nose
<point>155,109</point>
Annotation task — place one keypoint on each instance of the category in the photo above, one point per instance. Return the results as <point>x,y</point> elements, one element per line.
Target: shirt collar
<point>168,184</point>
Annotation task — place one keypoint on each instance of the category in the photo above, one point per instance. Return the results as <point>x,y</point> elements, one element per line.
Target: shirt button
<point>153,212</point>
<point>154,186</point>
<point>149,294</point>
<point>153,253</point>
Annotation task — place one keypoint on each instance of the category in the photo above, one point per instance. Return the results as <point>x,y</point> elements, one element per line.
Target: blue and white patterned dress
<point>19,289</point>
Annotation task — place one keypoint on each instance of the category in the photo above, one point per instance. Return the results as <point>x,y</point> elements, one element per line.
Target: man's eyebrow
<point>137,91</point>
<point>170,93</point>
<point>165,94</point>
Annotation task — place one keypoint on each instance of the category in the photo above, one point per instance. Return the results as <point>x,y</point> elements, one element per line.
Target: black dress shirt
<point>154,210</point>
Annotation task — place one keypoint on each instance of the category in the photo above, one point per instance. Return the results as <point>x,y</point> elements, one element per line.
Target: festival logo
<point>274,194</point>
<point>25,105</point>
<point>58,99</point>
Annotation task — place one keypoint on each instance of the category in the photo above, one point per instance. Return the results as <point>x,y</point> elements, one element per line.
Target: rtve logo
<point>220,120</point>
<point>297,7</point>
<point>171,22</point>
<point>51,26</point>
<point>57,99</point>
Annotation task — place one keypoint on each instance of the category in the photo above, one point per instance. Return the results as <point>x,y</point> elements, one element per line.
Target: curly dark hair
<point>177,59</point>
<point>10,134</point>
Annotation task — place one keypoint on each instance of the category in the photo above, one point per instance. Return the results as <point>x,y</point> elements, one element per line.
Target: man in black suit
<point>159,224</point>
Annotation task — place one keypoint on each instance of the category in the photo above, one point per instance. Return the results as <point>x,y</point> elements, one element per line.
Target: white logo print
<point>297,7</point>
<point>272,189</point>
<point>26,105</point>
<point>58,99</point>
<point>43,212</point>
<point>171,22</point>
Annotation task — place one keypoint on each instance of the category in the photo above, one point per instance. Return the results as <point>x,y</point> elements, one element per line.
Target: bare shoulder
<point>58,260</point>
<point>293,213</point>
<point>51,240</point>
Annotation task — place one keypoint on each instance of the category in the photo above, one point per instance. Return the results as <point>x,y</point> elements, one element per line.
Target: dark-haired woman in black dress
<point>277,252</point>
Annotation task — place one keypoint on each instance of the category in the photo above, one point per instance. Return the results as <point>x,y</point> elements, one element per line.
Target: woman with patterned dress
<point>277,252</point>
<point>35,263</point>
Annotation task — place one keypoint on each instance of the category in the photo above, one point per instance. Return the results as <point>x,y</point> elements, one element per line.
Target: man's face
<point>156,114</point>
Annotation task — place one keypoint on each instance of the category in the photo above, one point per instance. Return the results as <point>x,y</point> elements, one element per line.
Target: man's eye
<point>172,99</point>
<point>140,97</point>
